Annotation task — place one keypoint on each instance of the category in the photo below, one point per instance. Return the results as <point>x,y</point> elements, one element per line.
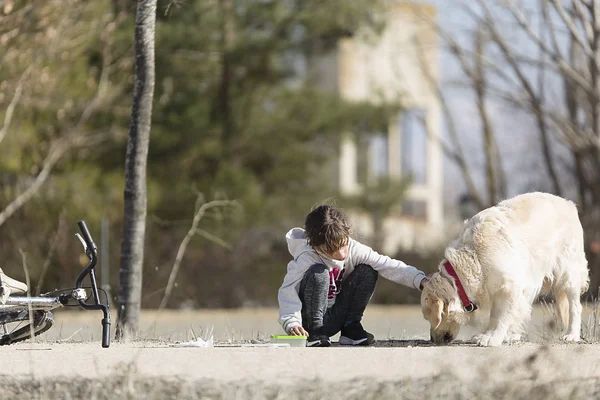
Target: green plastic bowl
<point>293,341</point>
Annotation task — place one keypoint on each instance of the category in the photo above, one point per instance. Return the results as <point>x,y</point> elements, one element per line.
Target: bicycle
<point>37,310</point>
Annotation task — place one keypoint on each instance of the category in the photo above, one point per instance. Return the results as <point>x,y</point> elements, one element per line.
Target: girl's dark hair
<point>327,228</point>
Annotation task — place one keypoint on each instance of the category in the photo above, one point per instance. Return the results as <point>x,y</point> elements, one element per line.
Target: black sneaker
<point>354,334</point>
<point>318,341</point>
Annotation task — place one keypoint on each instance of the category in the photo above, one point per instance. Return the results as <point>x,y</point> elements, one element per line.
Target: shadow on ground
<point>409,343</point>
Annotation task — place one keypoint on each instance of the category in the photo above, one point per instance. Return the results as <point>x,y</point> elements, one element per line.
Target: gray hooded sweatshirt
<point>290,305</point>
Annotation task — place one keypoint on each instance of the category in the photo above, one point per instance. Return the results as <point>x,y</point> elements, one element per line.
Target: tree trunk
<point>479,85</point>
<point>134,218</point>
<point>537,103</point>
<point>222,108</point>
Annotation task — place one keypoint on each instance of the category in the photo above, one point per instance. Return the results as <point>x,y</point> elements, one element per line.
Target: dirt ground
<point>66,364</point>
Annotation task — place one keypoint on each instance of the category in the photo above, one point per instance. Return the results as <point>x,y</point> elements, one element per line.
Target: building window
<point>362,160</point>
<point>378,163</point>
<point>415,209</point>
<point>371,158</point>
<point>413,145</point>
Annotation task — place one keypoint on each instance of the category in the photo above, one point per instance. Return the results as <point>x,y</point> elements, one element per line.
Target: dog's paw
<point>484,340</point>
<point>571,337</point>
<point>513,338</point>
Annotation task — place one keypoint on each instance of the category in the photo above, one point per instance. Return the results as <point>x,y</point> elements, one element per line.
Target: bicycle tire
<point>42,321</point>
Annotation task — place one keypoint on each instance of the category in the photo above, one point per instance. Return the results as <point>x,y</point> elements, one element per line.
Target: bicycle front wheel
<point>16,326</point>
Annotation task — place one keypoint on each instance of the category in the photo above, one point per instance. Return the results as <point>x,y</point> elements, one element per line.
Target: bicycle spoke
<point>19,326</point>
<point>13,327</point>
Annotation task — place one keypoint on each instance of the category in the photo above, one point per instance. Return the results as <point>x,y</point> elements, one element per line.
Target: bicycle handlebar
<point>86,236</point>
<point>92,252</point>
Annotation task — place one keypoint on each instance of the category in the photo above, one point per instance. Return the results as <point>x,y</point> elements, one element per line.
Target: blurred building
<point>400,65</point>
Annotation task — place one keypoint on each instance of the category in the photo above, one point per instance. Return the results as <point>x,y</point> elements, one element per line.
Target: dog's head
<point>440,308</point>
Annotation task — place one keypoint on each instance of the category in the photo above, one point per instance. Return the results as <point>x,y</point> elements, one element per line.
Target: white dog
<point>505,257</point>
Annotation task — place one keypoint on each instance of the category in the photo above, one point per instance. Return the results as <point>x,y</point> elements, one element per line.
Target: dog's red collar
<point>467,304</point>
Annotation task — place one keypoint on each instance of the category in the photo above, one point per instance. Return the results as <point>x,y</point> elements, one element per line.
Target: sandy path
<point>404,368</point>
<point>155,371</point>
<point>44,360</point>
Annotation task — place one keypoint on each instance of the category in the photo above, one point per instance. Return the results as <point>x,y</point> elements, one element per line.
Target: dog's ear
<point>436,307</point>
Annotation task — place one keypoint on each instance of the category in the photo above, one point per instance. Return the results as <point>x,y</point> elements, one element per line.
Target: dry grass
<point>127,384</point>
<point>385,322</point>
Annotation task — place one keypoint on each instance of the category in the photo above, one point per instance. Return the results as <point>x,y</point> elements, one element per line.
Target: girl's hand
<point>297,331</point>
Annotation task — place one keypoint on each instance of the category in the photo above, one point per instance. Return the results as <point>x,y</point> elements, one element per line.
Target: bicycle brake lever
<point>82,242</point>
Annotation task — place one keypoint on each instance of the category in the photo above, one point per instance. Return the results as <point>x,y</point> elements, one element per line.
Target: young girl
<point>331,280</point>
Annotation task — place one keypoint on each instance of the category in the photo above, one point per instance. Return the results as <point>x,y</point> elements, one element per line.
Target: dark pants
<point>350,303</point>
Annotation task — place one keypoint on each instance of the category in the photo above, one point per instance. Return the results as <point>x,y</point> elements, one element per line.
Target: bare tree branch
<point>57,150</point>
<point>213,238</point>
<point>556,57</point>
<point>474,65</point>
<point>201,210</point>
<point>458,154</point>
<point>13,103</point>
<point>464,54</point>
<point>53,243</point>
<point>585,45</point>
<point>52,158</point>
<point>573,135</point>
<point>72,139</point>
<point>101,90</point>
<point>525,79</point>
<point>535,99</point>
<point>538,109</point>
<point>580,12</point>
<point>479,86</point>
<point>547,18</point>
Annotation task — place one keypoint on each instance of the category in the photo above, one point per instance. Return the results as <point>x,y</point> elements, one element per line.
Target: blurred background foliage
<point>236,116</point>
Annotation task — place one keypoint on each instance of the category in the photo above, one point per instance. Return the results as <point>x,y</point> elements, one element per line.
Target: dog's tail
<point>562,308</point>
